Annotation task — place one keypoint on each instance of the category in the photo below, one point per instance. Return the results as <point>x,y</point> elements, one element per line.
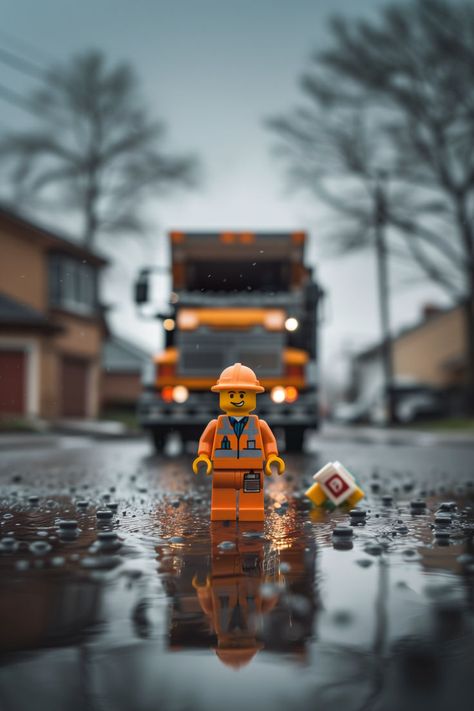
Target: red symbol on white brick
<point>336,484</point>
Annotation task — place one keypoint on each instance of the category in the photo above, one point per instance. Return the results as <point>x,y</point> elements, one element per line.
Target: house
<point>51,322</point>
<point>123,366</point>
<point>431,352</point>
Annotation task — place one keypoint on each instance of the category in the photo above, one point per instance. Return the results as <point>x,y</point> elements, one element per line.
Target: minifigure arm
<point>268,439</point>
<point>207,438</point>
<point>205,448</point>
<point>270,450</point>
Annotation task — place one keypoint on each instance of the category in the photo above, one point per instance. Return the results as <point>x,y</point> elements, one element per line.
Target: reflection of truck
<point>236,297</point>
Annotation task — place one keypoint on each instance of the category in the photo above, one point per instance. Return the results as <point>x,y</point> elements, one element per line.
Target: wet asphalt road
<point>117,593</point>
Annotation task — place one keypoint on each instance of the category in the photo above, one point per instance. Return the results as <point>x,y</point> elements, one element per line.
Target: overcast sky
<point>213,70</point>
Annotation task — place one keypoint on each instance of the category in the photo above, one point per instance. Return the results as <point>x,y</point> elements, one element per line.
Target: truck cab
<point>236,297</point>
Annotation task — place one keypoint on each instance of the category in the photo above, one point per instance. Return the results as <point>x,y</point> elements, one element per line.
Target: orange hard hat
<point>237,658</point>
<point>237,377</point>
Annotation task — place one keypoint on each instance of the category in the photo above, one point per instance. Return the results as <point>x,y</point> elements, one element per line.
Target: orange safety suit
<point>238,463</point>
<point>231,598</point>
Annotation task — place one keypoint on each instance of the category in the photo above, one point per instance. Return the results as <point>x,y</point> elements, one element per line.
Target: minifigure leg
<point>224,498</point>
<point>251,505</point>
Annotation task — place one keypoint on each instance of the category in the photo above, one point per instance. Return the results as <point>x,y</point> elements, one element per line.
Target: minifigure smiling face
<point>237,402</point>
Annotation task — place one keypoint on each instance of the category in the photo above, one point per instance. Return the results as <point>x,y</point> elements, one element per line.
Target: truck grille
<point>206,353</point>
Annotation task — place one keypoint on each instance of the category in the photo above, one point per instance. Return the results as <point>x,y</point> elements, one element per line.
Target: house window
<point>72,284</point>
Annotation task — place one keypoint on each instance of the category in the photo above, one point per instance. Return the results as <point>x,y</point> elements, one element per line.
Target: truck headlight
<point>169,324</point>
<point>291,323</point>
<point>277,394</point>
<point>180,393</point>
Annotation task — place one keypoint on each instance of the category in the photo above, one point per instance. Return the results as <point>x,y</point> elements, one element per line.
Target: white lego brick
<point>336,482</point>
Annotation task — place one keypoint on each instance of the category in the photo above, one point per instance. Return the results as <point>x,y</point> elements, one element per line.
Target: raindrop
<point>443,520</point>
<point>364,562</point>
<point>22,565</point>
<point>58,561</point>
<point>67,524</point>
<point>374,549</point>
<point>101,562</point>
<point>447,506</point>
<point>104,514</point>
<point>418,506</point>
<point>343,531</point>
<point>253,534</point>
<point>8,545</point>
<point>107,536</point>
<point>442,536</point>
<point>342,617</point>
<point>357,513</point>
<point>40,547</point>
<point>269,591</point>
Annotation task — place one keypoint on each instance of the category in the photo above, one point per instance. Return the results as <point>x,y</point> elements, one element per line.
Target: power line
<point>21,64</point>
<point>22,46</point>
<point>25,66</point>
<point>12,97</point>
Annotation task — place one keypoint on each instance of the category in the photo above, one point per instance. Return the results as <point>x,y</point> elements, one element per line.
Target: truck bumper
<point>153,412</point>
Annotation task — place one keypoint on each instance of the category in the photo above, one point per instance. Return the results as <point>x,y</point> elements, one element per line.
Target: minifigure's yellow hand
<point>202,459</point>
<point>273,459</point>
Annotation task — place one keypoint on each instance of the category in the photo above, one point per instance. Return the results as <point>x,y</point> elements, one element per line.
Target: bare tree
<point>93,147</point>
<point>395,95</point>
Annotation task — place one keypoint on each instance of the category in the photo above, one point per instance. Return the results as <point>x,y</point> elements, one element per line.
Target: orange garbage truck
<point>243,297</point>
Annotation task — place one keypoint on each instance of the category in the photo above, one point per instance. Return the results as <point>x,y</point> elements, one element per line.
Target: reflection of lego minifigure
<point>232,596</point>
<point>238,447</point>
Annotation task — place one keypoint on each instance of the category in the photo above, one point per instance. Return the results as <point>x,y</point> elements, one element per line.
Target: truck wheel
<point>158,436</point>
<point>294,437</point>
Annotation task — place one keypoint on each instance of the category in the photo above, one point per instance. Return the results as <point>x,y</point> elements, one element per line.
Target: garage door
<point>74,387</point>
<point>12,382</point>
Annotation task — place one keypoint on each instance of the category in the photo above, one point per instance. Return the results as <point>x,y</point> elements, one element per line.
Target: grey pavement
<point>394,435</point>
<point>111,576</point>
<point>329,433</point>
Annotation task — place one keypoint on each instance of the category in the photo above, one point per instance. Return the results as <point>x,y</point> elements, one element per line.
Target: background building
<point>51,323</point>
<point>430,353</point>
<point>123,364</point>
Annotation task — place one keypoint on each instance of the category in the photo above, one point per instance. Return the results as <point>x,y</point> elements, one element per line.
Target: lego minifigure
<point>232,597</point>
<point>237,448</point>
<point>334,484</point>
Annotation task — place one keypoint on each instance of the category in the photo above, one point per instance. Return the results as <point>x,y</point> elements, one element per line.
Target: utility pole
<point>380,222</point>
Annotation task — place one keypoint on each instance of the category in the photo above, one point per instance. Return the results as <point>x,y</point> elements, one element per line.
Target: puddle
<point>115,586</point>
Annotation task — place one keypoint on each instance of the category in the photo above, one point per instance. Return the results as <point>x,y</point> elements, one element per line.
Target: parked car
<point>413,402</point>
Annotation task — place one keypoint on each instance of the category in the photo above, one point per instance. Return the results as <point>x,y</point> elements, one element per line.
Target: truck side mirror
<point>142,288</point>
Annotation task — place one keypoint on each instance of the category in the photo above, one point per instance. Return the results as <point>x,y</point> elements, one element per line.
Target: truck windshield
<point>238,275</point>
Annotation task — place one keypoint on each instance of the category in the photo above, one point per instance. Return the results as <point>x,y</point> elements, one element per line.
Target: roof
<point>376,348</point>
<point>16,314</point>
<point>119,355</point>
<point>52,240</point>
